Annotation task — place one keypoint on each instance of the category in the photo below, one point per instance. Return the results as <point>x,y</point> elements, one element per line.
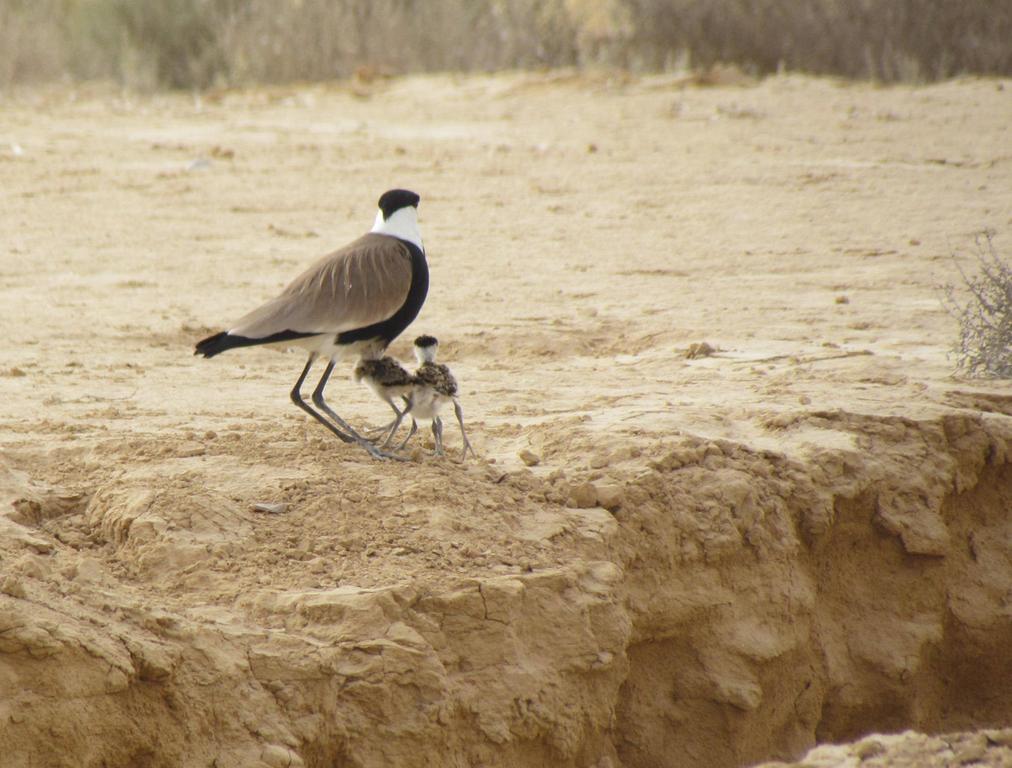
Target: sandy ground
<point>582,232</point>
<point>581,235</point>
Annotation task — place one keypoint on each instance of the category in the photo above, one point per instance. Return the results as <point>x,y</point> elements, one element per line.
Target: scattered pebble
<point>973,751</point>
<point>841,299</point>
<point>529,457</point>
<point>868,749</point>
<point>277,756</point>
<point>610,496</point>
<point>699,349</point>
<point>271,508</point>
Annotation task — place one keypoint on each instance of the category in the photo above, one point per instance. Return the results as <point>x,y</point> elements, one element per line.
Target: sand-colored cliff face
<point>801,537</point>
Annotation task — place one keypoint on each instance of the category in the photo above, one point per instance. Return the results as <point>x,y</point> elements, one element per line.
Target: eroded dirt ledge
<point>734,605</point>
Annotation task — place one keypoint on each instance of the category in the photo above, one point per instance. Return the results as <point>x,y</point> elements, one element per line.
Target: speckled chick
<point>389,380</point>
<point>434,387</point>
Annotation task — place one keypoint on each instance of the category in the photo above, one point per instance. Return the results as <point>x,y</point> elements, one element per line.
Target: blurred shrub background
<point>200,43</point>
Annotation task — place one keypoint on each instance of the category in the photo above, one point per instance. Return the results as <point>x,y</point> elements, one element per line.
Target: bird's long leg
<point>409,403</point>
<point>394,426</point>
<point>376,433</point>
<point>460,420</point>
<point>389,429</point>
<point>354,436</point>
<point>437,435</point>
<point>414,428</point>
<point>297,399</point>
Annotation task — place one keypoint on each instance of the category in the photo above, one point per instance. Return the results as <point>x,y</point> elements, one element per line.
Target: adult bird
<point>352,302</point>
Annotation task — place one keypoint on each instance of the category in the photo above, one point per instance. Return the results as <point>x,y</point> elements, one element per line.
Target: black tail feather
<point>220,342</point>
<point>216,344</point>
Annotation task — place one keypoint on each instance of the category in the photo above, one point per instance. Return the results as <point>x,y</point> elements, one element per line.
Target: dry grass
<point>197,43</point>
<point>886,40</point>
<point>983,306</point>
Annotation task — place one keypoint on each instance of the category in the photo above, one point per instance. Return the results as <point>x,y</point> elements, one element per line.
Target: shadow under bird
<point>351,303</point>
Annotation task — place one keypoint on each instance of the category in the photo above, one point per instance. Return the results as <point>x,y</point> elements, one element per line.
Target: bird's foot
<point>378,453</point>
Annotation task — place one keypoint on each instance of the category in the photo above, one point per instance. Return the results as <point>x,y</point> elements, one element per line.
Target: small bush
<point>983,308</point>
<point>149,43</point>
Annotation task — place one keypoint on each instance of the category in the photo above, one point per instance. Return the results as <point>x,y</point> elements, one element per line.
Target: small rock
<point>151,662</point>
<point>805,400</point>
<point>89,570</point>
<point>529,457</point>
<point>33,566</point>
<point>12,586</point>
<point>699,349</point>
<point>271,508</point>
<point>116,681</point>
<point>599,461</point>
<point>842,299</point>
<point>610,496</point>
<point>278,756</point>
<point>746,695</point>
<point>973,751</point>
<point>868,749</point>
<point>583,495</point>
<point>32,542</point>
<point>1002,738</point>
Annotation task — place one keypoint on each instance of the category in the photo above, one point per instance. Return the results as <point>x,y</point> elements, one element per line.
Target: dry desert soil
<point>730,500</point>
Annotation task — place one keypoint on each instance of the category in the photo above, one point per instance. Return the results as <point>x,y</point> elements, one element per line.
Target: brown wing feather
<point>438,377</point>
<point>363,283</point>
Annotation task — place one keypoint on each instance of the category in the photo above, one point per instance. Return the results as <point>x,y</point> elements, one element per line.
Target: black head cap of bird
<point>426,348</point>
<point>393,200</point>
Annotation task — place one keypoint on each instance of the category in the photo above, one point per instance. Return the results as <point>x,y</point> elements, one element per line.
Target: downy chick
<point>434,387</point>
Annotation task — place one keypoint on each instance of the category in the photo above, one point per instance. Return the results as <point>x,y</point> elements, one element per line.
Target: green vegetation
<point>199,43</point>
